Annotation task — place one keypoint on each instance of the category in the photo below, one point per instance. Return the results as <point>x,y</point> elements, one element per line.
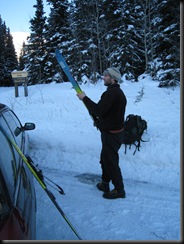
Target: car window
<point>8,165</point>
<point>12,123</point>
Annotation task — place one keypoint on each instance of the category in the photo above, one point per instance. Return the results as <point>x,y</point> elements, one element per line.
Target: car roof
<point>3,107</point>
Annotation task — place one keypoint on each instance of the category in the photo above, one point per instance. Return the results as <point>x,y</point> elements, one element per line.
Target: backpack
<point>134,127</point>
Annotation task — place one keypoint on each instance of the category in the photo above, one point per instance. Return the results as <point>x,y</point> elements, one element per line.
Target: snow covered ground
<point>66,146</point>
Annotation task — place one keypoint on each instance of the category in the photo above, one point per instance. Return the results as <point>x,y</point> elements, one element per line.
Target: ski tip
<point>57,51</point>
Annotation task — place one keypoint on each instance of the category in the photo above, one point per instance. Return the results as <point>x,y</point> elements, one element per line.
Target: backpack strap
<point>137,146</point>
<point>125,148</point>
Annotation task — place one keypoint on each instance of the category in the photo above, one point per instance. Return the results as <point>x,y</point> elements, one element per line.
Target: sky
<point>17,15</point>
<point>66,147</point>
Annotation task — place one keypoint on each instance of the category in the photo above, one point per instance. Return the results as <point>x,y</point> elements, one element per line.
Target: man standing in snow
<point>109,111</point>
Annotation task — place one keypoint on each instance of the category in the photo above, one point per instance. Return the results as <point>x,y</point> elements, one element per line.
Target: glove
<point>96,121</point>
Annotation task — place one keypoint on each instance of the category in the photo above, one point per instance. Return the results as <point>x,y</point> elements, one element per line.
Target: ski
<point>40,178</point>
<point>66,69</point>
<point>74,83</point>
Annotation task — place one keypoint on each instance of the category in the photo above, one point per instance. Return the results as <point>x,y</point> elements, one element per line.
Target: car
<point>17,191</point>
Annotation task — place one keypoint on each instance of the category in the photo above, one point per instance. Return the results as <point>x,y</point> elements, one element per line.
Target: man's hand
<point>81,95</point>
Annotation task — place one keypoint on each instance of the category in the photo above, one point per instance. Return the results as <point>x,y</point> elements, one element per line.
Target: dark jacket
<point>110,109</point>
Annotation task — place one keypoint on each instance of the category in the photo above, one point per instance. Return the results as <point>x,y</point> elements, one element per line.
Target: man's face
<point>107,79</point>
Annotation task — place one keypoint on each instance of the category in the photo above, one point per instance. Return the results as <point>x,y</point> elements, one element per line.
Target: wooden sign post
<point>19,78</point>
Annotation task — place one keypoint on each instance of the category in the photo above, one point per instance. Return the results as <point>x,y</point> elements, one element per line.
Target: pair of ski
<point>74,83</point>
<point>66,69</point>
<point>40,178</point>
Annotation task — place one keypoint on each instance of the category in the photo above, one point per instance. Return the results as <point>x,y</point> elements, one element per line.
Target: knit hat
<point>114,73</point>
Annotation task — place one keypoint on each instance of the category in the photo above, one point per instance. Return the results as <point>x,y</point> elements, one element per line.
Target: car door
<point>12,222</point>
<point>22,192</point>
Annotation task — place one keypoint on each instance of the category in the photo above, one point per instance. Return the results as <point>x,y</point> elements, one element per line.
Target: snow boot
<point>114,194</point>
<point>103,186</point>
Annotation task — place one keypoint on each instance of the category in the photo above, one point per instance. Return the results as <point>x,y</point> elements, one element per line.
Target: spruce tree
<point>132,56</point>
<point>97,28</point>
<point>8,58</point>
<point>167,43</point>
<point>36,47</point>
<point>11,56</point>
<point>22,57</point>
<point>2,55</point>
<point>57,36</point>
<point>86,17</point>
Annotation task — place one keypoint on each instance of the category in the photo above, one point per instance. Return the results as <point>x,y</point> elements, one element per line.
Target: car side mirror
<point>27,126</point>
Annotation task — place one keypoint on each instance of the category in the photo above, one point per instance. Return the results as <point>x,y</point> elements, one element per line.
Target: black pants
<point>109,158</point>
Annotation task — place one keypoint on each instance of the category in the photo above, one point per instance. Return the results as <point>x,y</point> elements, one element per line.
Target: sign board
<point>19,77</point>
<point>19,74</point>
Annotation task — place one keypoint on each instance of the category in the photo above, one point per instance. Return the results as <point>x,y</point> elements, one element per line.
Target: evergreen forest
<point>136,36</point>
